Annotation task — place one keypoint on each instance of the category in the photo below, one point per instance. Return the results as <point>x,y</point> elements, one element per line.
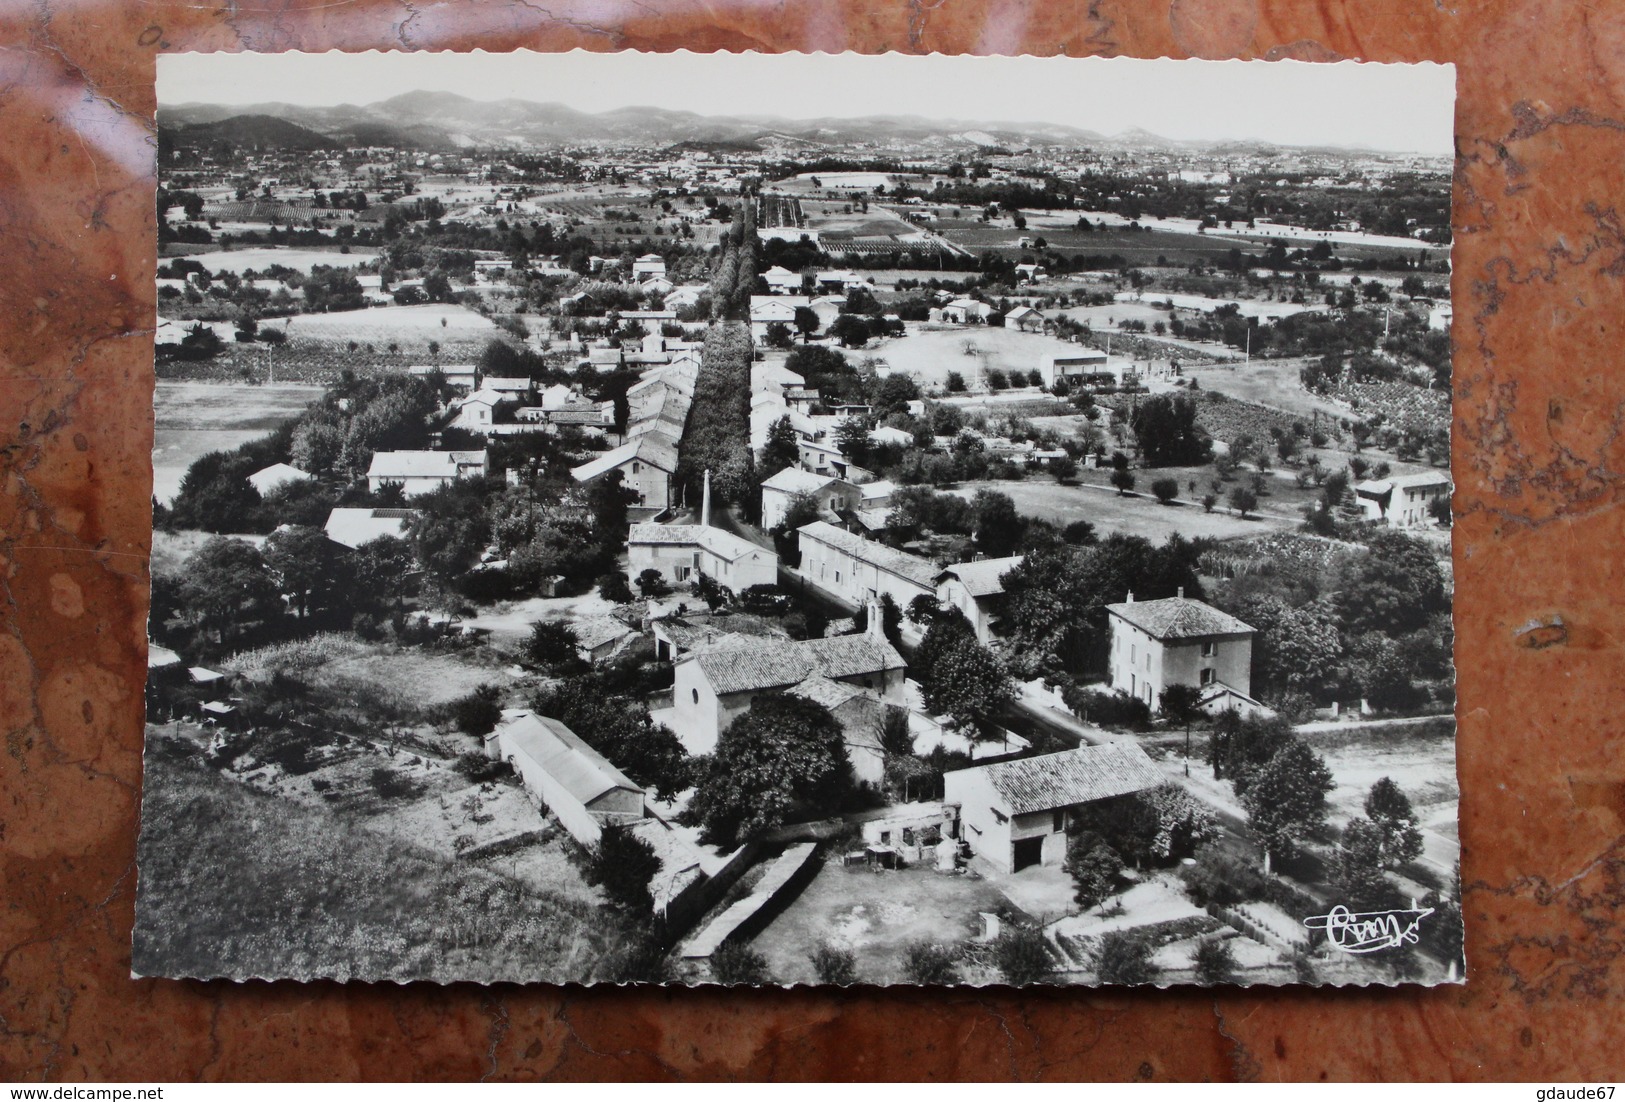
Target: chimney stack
<point>1182,591</point>
<point>705,501</point>
<point>1130,597</point>
<point>874,627</point>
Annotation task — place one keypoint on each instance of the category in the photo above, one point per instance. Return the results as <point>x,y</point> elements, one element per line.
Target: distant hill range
<point>446,121</point>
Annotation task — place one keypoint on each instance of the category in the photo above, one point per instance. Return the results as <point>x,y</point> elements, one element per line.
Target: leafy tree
<point>216,496</point>
<point>227,589</point>
<point>1022,954</point>
<point>306,566</point>
<point>780,450</point>
<point>785,754</point>
<point>624,865</point>
<point>806,322</point>
<point>1123,479</point>
<point>1295,649</point>
<point>1286,800</point>
<point>1390,812</point>
<point>997,523</point>
<point>1215,961</point>
<point>478,712</point>
<point>778,335</point>
<point>1064,468</point>
<point>613,587</point>
<point>1094,867</point>
<point>738,965</point>
<point>380,570</point>
<point>955,382</point>
<point>1394,588</point>
<point>852,437</point>
<point>1125,959</point>
<point>1165,426</point>
<point>1359,877</point>
<point>449,529</point>
<point>652,583</point>
<point>551,643</point>
<point>959,677</point>
<point>835,965</point>
<point>1243,500</point>
<point>927,963</point>
<point>1166,489</point>
<point>892,732</point>
<point>1241,745</point>
<point>852,330</point>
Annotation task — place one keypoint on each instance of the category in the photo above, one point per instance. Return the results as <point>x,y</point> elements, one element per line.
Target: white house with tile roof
<point>418,472</point>
<point>1180,641</point>
<point>680,551</point>
<point>647,467</point>
<point>1014,814</point>
<point>975,589</point>
<point>713,687</point>
<point>832,495</point>
<point>857,570</point>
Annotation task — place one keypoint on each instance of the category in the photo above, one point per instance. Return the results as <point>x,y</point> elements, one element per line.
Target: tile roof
<point>794,480</point>
<point>1179,618</point>
<point>599,630</point>
<point>908,567</point>
<point>413,464</point>
<point>654,448</point>
<point>985,577</point>
<point>724,545</point>
<point>830,694</point>
<point>776,665</point>
<point>1072,777</point>
<point>579,769</point>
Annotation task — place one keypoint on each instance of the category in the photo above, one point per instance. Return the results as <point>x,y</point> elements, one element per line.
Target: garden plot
<point>422,677</point>
<point>1134,515</point>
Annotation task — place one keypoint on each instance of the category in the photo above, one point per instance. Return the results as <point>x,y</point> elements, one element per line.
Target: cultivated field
<point>929,355</point>
<point>1135,515</point>
<point>193,419</point>
<point>303,260</point>
<point>381,325</point>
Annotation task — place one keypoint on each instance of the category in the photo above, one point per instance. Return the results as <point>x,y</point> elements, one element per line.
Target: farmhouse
<point>1181,641</point>
<point>858,571</point>
<point>680,551</point>
<point>459,376</point>
<point>832,495</point>
<point>477,412</point>
<point>1014,814</point>
<point>1071,365</point>
<point>1403,502</point>
<point>782,281</point>
<point>418,472</point>
<point>716,686</point>
<point>976,589</point>
<point>353,527</point>
<point>647,465</point>
<point>966,311</point>
<point>1024,318</point>
<point>570,779</point>
<point>768,309</point>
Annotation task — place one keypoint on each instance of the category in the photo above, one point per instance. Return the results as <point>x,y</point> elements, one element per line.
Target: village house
<point>680,551</point>
<point>1015,814</point>
<point>1405,501</point>
<point>1024,318</point>
<point>353,527</point>
<point>647,467</point>
<point>478,412</point>
<point>976,589</point>
<point>858,571</point>
<point>714,687</point>
<point>1181,641</point>
<point>679,635</point>
<point>574,782</point>
<point>268,480</point>
<point>858,710</point>
<point>833,496</point>
<point>599,638</point>
<point>418,472</point>
<point>648,266</point>
<point>765,310</point>
<point>782,281</point>
<point>966,311</point>
<point>1071,366</point>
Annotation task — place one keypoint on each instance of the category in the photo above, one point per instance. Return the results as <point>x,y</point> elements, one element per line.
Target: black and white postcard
<point>801,519</point>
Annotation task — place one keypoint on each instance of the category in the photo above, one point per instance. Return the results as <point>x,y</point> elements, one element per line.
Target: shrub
<point>1125,959</point>
<point>834,965</point>
<point>390,785</point>
<point>477,767</point>
<point>1023,955</point>
<point>652,583</point>
<point>925,962</point>
<point>641,958</point>
<point>1215,961</point>
<point>623,865</point>
<point>479,712</point>
<point>1166,490</point>
<point>613,587</point>
<point>1223,879</point>
<point>737,965</point>
<point>550,643</point>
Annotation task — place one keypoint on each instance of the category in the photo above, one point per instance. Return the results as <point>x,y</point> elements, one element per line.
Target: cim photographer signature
<point>1369,931</point>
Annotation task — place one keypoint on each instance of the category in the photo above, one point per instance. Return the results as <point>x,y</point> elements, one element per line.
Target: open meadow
<point>928,355</point>
<point>193,419</point>
<point>303,260</point>
<point>1136,514</point>
<point>381,325</point>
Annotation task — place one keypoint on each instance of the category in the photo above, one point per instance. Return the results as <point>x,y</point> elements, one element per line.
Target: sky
<point>1402,108</point>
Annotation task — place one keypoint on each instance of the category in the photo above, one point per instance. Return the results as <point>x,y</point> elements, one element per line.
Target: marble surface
<point>1540,253</point>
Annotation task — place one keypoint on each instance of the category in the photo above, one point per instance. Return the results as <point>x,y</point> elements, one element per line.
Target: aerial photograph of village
<point>883,531</point>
